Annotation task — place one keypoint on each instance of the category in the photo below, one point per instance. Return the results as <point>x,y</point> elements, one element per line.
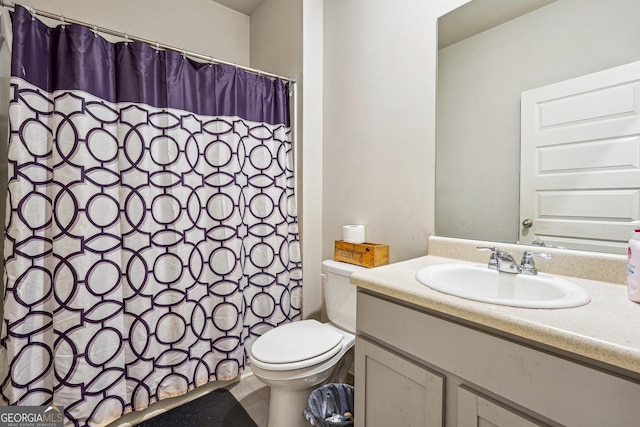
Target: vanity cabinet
<point>418,367</point>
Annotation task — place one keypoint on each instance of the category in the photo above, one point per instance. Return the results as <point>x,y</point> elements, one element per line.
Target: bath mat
<point>216,409</point>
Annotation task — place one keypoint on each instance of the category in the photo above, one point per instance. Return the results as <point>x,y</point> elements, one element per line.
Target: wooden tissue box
<point>365,254</point>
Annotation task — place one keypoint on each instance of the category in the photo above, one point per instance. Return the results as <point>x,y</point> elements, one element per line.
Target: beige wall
<point>366,149</point>
<point>379,121</point>
<point>201,26</point>
<point>276,37</point>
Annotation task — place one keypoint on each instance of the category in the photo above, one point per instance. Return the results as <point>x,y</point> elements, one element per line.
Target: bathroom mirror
<point>485,62</point>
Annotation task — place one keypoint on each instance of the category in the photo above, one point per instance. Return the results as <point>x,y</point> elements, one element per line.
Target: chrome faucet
<point>527,266</point>
<point>503,261</point>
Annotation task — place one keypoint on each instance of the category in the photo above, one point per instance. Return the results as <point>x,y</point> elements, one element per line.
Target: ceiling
<point>243,6</point>
<point>480,15</point>
<point>470,19</point>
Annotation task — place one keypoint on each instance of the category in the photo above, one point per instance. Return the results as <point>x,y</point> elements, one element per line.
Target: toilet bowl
<point>293,376</point>
<point>296,358</point>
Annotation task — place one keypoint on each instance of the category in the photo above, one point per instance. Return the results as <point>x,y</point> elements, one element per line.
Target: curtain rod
<point>158,46</point>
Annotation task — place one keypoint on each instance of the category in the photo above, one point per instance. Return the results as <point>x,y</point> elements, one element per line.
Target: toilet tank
<point>339,294</point>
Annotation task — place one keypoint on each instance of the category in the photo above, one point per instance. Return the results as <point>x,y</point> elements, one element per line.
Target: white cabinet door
<point>476,411</point>
<point>580,160</point>
<point>392,391</point>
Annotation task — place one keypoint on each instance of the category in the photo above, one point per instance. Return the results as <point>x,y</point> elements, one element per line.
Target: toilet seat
<point>296,345</point>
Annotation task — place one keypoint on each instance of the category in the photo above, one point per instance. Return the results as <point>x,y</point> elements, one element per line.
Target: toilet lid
<point>295,342</point>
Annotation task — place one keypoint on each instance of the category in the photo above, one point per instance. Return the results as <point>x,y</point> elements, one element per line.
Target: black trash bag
<point>331,405</point>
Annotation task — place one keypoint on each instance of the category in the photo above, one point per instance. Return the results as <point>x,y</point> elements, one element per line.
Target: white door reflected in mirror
<point>580,161</point>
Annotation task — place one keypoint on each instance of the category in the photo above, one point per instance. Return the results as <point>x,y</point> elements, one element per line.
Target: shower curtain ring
<point>126,39</point>
<point>62,22</point>
<point>184,54</point>
<point>33,13</point>
<point>95,30</point>
<point>211,61</point>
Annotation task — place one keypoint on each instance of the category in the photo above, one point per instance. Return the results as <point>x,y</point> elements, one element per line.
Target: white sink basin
<point>479,283</point>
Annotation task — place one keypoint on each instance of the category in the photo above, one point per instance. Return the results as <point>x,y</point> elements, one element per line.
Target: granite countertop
<point>607,330</point>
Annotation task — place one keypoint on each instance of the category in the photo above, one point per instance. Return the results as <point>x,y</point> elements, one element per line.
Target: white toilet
<point>296,358</point>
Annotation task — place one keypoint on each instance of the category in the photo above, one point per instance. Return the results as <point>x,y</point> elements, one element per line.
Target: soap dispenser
<point>633,264</point>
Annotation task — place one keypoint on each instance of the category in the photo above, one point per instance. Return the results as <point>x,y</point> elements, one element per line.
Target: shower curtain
<point>151,232</point>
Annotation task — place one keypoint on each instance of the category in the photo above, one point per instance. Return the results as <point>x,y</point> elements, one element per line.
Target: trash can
<point>331,405</point>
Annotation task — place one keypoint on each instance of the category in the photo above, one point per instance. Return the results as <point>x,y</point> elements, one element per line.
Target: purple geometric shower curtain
<point>151,228</point>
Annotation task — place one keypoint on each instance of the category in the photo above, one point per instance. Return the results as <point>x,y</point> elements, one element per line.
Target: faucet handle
<point>493,259</point>
<point>527,265</point>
